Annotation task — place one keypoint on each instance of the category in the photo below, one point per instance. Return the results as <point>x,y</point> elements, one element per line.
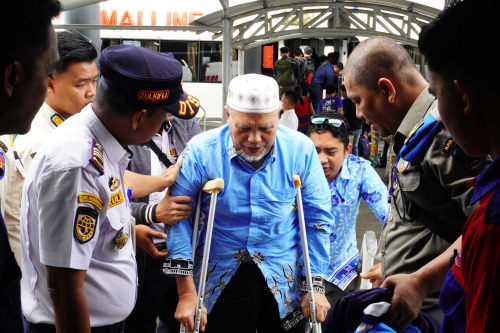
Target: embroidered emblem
<point>258,258</point>
<point>319,226</point>
<point>56,119</point>
<point>116,199</point>
<point>91,199</point>
<point>114,183</point>
<point>4,147</point>
<point>2,165</point>
<point>121,239</point>
<point>173,152</point>
<point>85,224</point>
<point>415,129</point>
<point>97,156</point>
<point>152,96</point>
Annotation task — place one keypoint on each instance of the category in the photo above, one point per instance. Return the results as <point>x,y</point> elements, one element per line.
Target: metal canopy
<point>266,21</point>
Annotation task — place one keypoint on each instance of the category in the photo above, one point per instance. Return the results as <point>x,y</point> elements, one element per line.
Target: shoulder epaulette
<point>420,138</point>
<point>97,156</point>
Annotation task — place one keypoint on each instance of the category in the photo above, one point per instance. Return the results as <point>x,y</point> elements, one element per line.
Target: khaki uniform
<point>11,187</point>
<point>434,189</point>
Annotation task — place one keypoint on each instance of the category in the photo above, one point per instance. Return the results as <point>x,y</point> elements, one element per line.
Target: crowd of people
<point>98,185</point>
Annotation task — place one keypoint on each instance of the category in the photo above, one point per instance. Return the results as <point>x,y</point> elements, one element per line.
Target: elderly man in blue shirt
<point>255,274</point>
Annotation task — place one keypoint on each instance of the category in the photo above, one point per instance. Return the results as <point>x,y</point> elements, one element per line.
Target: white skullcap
<point>253,93</point>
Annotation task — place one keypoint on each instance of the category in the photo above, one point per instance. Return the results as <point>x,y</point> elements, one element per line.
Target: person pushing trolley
<point>256,273</point>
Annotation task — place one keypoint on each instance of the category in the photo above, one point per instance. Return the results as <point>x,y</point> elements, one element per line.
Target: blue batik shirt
<point>256,216</point>
<point>357,179</point>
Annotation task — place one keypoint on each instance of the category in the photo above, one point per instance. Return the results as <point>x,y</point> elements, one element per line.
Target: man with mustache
<point>255,266</point>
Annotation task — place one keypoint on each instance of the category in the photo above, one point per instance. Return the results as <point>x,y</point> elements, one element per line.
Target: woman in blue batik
<point>350,178</point>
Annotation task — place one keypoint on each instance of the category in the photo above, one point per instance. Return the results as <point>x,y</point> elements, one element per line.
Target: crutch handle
<point>213,186</point>
<point>296,181</point>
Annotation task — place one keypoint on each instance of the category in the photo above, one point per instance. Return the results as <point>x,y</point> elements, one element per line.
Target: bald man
<point>428,188</point>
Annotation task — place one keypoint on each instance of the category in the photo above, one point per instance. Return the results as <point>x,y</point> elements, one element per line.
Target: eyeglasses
<point>322,120</point>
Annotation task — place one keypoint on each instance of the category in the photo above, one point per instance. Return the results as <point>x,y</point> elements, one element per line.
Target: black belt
<point>49,328</point>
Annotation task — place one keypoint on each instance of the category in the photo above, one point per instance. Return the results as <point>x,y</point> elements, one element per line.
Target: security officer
<point>75,216</point>
<point>429,191</point>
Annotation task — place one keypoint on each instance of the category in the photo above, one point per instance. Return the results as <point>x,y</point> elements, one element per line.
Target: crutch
<point>316,327</point>
<point>213,187</point>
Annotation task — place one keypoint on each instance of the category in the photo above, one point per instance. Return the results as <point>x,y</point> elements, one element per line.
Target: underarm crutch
<point>213,187</point>
<point>316,327</point>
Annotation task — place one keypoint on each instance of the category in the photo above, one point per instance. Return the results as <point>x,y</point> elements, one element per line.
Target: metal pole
<point>227,57</point>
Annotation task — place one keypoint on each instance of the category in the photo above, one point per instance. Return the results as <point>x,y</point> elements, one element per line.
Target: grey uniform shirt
<point>434,188</point>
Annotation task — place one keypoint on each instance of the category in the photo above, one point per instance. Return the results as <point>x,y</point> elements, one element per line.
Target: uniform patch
<point>152,96</point>
<point>2,165</point>
<point>91,199</point>
<point>97,156</point>
<point>4,147</point>
<point>173,152</point>
<point>56,119</point>
<point>85,224</point>
<point>116,199</point>
<point>449,145</point>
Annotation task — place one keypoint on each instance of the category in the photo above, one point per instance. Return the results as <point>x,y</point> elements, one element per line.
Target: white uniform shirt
<point>11,187</point>
<point>45,121</point>
<point>62,191</point>
<point>289,119</point>
<point>167,146</point>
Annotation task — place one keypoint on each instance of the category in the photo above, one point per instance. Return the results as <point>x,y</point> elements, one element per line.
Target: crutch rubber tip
<point>214,186</point>
<point>296,181</point>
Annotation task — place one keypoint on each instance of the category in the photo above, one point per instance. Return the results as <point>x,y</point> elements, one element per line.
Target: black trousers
<point>157,296</point>
<point>247,305</point>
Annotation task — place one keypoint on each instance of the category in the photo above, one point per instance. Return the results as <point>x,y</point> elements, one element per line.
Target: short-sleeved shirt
<point>74,214</point>
<point>256,216</point>
<point>357,180</point>
<point>329,104</point>
<point>45,121</point>
<point>470,297</point>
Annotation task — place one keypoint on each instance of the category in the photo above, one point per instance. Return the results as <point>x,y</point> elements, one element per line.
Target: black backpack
<point>284,73</point>
<point>307,70</point>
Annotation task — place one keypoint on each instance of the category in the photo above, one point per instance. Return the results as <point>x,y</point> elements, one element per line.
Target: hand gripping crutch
<point>213,187</point>
<point>316,327</point>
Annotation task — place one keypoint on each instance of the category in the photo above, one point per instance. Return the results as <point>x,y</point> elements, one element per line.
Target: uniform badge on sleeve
<point>2,165</point>
<point>121,239</point>
<point>97,156</point>
<point>85,224</point>
<point>91,199</point>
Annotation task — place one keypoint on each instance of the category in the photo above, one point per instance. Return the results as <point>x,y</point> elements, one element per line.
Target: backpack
<point>307,70</point>
<point>284,73</point>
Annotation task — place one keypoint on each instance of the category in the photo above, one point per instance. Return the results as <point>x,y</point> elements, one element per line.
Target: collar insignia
<point>56,119</point>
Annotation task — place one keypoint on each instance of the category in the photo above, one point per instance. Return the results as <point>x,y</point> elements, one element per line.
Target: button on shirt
<point>52,204</point>
<point>255,217</point>
<point>357,179</point>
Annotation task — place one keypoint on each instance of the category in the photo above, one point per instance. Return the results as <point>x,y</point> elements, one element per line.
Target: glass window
<point>187,53</point>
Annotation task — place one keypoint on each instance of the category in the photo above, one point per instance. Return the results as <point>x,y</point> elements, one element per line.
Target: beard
<point>252,158</point>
